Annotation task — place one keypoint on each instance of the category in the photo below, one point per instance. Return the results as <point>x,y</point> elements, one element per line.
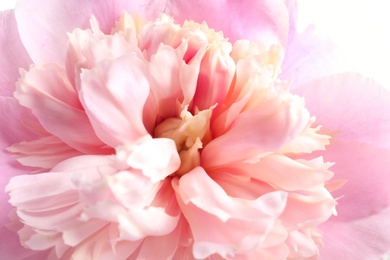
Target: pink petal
<point>45,152</point>
<point>157,158</point>
<point>215,77</point>
<point>360,150</point>
<point>88,47</point>
<point>222,224</point>
<point>254,134</point>
<point>101,245</point>
<point>52,19</point>
<point>308,55</point>
<point>12,52</point>
<point>166,246</point>
<point>264,20</point>
<point>11,248</point>
<point>12,130</point>
<point>45,90</point>
<point>141,223</point>
<point>114,94</point>
<point>50,204</point>
<point>366,238</point>
<point>285,173</point>
<point>14,119</point>
<point>16,123</point>
<point>164,68</point>
<point>359,103</point>
<point>361,228</point>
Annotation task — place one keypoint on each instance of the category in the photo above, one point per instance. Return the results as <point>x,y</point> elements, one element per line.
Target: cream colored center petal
<point>190,133</point>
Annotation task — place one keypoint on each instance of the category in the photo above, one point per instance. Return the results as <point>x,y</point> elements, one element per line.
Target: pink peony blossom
<point>149,135</point>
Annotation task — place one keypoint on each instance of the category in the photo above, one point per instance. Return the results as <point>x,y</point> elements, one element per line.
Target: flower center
<point>190,133</point>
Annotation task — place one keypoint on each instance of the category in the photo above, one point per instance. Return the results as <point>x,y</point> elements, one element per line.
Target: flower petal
<point>366,238</point>
<point>157,158</point>
<point>360,148</point>
<point>308,55</point>
<point>114,94</point>
<point>45,152</point>
<point>12,52</point>
<point>255,133</point>
<point>46,91</point>
<point>285,173</point>
<point>265,20</point>
<point>13,129</point>
<point>222,224</point>
<point>52,19</point>
<point>362,102</point>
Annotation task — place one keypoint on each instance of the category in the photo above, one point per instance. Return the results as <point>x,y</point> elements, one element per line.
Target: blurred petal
<point>308,54</point>
<point>360,148</point>
<point>12,52</point>
<point>364,238</point>
<point>52,19</point>
<point>13,129</point>
<point>15,121</point>
<point>363,102</point>
<point>264,20</point>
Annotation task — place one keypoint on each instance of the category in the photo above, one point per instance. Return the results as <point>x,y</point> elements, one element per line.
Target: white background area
<point>361,28</point>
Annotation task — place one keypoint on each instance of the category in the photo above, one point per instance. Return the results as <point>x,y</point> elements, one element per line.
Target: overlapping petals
<point>150,139</point>
<point>107,197</point>
<point>188,88</point>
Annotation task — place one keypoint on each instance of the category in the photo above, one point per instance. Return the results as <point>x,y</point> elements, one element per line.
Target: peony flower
<point>160,131</point>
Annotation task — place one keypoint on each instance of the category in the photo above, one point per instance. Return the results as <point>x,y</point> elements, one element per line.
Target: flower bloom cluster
<point>161,141</point>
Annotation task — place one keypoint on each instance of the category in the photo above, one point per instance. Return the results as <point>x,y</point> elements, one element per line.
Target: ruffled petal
<point>285,173</point>
<point>47,92</point>
<point>114,94</point>
<point>254,133</point>
<point>222,224</point>
<point>45,152</point>
<point>157,158</point>
<point>12,52</point>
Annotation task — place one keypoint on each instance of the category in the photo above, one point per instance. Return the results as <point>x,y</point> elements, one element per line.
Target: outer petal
<point>367,237</point>
<point>308,54</point>
<point>47,42</point>
<point>49,203</point>
<point>265,20</point>
<point>13,121</point>
<point>46,91</point>
<point>12,52</point>
<point>52,19</point>
<point>363,102</point>
<point>360,150</point>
